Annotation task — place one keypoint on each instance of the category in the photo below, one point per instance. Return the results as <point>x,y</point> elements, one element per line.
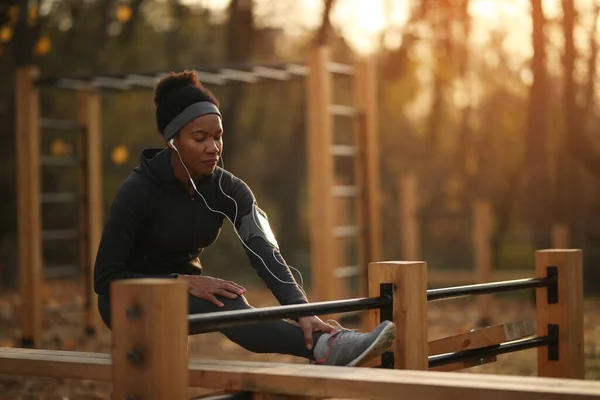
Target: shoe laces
<point>343,334</point>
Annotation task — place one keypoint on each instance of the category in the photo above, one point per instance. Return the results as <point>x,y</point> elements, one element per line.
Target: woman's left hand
<point>311,324</point>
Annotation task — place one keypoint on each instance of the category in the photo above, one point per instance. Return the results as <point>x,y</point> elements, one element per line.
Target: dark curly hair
<point>175,92</point>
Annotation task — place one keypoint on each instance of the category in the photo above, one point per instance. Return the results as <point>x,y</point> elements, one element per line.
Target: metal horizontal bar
<point>345,191</point>
<point>503,348</point>
<point>342,69</point>
<point>347,271</point>
<point>346,231</point>
<point>342,111</point>
<point>343,150</point>
<point>272,73</point>
<point>487,288</point>
<point>59,197</point>
<point>60,234</point>
<point>212,322</point>
<point>229,396</point>
<point>52,161</point>
<point>59,124</point>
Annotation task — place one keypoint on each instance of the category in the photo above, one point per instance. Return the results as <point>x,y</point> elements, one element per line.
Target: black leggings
<point>279,337</point>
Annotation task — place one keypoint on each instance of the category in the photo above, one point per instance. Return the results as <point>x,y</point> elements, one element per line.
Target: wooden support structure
<point>91,196</point>
<point>149,338</point>
<point>326,235</point>
<point>367,128</point>
<point>320,173</point>
<point>29,206</point>
<point>409,281</point>
<point>565,312</point>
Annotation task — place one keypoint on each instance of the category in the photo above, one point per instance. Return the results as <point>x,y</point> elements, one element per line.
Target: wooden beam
<point>320,175</point>
<point>567,313</point>
<point>409,281</point>
<point>149,338</point>
<point>91,203</point>
<point>297,379</point>
<point>29,225</point>
<point>480,338</point>
<point>365,86</point>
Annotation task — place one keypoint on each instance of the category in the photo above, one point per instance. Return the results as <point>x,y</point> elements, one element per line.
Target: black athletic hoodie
<point>156,229</point>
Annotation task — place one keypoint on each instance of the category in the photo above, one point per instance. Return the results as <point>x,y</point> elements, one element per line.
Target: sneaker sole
<point>377,348</point>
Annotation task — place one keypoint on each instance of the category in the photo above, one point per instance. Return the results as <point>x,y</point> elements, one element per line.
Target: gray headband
<point>193,111</point>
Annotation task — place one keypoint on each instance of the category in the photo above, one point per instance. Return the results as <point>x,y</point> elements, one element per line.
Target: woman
<point>173,205</point>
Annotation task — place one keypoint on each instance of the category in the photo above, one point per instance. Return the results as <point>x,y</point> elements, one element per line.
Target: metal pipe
<point>487,288</point>
<point>202,323</point>
<point>503,348</point>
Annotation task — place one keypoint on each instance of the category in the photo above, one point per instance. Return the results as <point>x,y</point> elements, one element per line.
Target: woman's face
<point>200,144</point>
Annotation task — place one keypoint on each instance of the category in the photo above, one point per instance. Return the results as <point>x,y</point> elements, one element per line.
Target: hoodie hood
<point>155,164</point>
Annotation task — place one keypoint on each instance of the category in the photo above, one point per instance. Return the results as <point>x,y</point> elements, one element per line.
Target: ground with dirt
<point>63,330</point>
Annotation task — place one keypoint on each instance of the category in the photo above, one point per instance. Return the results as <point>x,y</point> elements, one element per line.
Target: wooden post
<point>320,174</point>
<point>28,205</point>
<point>409,222</point>
<point>566,313</point>
<point>482,232</point>
<point>149,339</point>
<point>560,236</point>
<point>410,309</point>
<point>91,201</point>
<point>365,93</point>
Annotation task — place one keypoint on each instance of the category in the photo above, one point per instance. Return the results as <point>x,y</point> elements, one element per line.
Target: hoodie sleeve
<point>272,268</point>
<point>129,208</point>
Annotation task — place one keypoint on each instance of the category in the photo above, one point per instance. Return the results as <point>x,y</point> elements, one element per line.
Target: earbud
<point>172,142</point>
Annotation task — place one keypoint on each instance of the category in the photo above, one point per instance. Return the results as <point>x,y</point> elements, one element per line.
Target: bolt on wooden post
<point>409,279</point>
<point>565,311</point>
<point>150,330</point>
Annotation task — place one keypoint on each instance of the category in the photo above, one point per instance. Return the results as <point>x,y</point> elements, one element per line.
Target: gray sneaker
<point>346,347</point>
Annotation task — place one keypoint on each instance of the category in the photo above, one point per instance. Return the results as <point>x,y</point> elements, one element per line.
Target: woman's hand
<point>309,325</point>
<point>205,287</point>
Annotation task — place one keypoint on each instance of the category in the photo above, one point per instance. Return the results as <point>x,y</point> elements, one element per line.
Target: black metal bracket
<point>553,335</point>
<point>387,314</point>
<point>552,290</point>
<point>387,360</point>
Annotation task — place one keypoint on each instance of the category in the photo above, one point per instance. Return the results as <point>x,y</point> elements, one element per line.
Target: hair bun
<point>173,81</point>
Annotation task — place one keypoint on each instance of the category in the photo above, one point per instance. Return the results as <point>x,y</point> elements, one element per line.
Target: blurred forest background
<point>474,113</point>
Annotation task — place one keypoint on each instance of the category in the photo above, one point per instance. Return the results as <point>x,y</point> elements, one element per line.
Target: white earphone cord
<point>235,219</point>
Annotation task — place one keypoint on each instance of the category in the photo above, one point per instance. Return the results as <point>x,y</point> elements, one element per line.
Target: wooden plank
<point>479,338</point>
<point>56,364</point>
<point>29,225</point>
<point>410,309</point>
<point>297,379</point>
<point>357,383</point>
<point>320,175</point>
<point>567,313</point>
<point>409,222</point>
<point>483,337</point>
<point>91,207</point>
<point>149,338</point>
